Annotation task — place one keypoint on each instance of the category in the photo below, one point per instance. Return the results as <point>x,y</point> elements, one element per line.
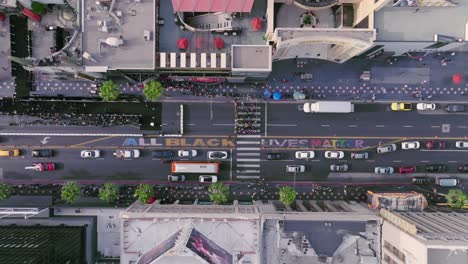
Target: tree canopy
<point>287,195</point>
<point>219,193</point>
<point>153,90</point>
<point>109,91</point>
<point>5,191</point>
<point>456,198</point>
<point>70,192</point>
<point>144,192</point>
<point>109,192</point>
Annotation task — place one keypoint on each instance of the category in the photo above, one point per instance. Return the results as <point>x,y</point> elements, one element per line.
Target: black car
<point>42,153</point>
<point>455,108</point>
<point>463,168</point>
<point>162,154</point>
<point>436,168</point>
<point>274,156</point>
<point>422,180</point>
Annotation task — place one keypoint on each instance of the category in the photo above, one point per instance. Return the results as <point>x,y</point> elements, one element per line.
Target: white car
<point>425,106</point>
<point>208,178</point>
<point>410,145</point>
<point>385,170</point>
<point>90,154</point>
<point>332,154</point>
<point>213,155</point>
<point>127,153</point>
<point>187,153</point>
<point>386,148</point>
<point>295,168</point>
<point>305,154</point>
<point>461,144</point>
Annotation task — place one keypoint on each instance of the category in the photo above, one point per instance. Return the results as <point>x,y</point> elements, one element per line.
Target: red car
<point>433,144</point>
<point>404,170</point>
<point>42,166</point>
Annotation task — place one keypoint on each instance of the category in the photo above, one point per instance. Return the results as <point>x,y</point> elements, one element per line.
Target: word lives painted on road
<point>178,142</point>
<point>314,143</point>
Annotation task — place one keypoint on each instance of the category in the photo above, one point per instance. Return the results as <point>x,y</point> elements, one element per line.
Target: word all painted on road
<point>313,143</point>
<point>178,142</point>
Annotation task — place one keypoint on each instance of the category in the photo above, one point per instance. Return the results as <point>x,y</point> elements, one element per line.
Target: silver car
<point>336,167</point>
<point>333,154</point>
<point>386,148</point>
<point>295,168</point>
<point>359,155</point>
<point>384,170</point>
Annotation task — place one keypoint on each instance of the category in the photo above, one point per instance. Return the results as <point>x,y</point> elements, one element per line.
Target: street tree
<point>287,195</point>
<point>37,8</point>
<point>153,90</point>
<point>456,198</point>
<point>143,193</point>
<point>5,191</point>
<point>109,91</point>
<point>109,192</point>
<point>219,193</point>
<point>70,192</point>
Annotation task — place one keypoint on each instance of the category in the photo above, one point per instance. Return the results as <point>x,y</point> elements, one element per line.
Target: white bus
<point>195,167</point>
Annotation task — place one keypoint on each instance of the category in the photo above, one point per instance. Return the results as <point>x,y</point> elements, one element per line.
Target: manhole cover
<point>445,128</point>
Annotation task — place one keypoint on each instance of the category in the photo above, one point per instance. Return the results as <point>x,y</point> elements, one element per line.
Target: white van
<point>447,182</point>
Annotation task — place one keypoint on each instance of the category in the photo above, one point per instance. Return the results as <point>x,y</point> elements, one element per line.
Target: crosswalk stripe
<point>248,165</point>
<point>242,148</point>
<point>248,136</point>
<point>248,142</point>
<point>248,160</point>
<point>248,154</point>
<point>248,171</point>
<point>248,176</point>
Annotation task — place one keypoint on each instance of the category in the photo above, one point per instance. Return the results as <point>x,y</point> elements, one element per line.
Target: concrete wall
<point>415,251</point>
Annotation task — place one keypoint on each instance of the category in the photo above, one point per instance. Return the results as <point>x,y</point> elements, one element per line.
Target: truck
<point>328,107</point>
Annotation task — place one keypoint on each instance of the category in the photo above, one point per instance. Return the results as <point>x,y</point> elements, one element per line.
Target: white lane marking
<point>248,142</point>
<point>190,124</point>
<point>248,154</point>
<point>462,126</point>
<point>352,125</point>
<point>315,160</point>
<point>222,124</point>
<point>452,161</point>
<point>446,150</point>
<point>248,136</point>
<point>283,125</point>
<point>324,125</point>
<point>397,161</point>
<point>249,165</point>
<point>425,161</point>
<point>370,160</point>
<point>248,171</point>
<point>248,160</point>
<point>379,126</point>
<point>275,160</point>
<point>230,166</point>
<point>407,126</point>
<point>241,149</point>
<point>435,126</point>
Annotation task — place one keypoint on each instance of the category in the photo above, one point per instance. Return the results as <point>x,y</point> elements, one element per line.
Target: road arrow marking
<point>44,141</point>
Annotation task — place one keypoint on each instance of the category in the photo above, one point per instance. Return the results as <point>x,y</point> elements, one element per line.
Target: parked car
<point>461,144</point>
<point>339,167</point>
<point>447,182</point>
<point>308,154</point>
<point>463,168</point>
<point>400,106</point>
<point>383,170</point>
<point>127,153</point>
<point>386,148</point>
<point>41,166</point>
<point>359,155</point>
<point>436,168</point>
<point>426,106</point>
<point>274,156</point>
<point>408,169</point>
<point>161,154</point>
<point>175,178</point>
<point>42,153</point>
<point>208,178</point>
<point>333,154</point>
<point>455,108</point>
<point>410,145</point>
<point>422,180</point>
<point>435,144</point>
<point>90,154</point>
<point>10,153</point>
<point>295,168</point>
<point>217,155</point>
<point>187,153</point>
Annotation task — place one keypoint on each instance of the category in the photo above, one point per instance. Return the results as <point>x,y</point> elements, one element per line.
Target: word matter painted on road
<point>314,143</point>
<point>178,142</point>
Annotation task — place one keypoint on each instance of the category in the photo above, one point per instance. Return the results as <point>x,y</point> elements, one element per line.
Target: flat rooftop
<point>130,20</point>
<point>402,24</point>
<point>252,57</point>
<point>5,64</point>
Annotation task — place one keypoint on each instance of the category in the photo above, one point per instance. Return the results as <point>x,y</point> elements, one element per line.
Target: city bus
<point>195,167</point>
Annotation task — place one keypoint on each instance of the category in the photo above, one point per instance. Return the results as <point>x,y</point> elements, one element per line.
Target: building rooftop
<point>132,22</point>
<point>242,57</point>
<point>5,64</point>
<point>403,24</point>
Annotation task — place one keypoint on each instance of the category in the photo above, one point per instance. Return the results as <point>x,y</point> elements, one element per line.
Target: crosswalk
<point>248,157</point>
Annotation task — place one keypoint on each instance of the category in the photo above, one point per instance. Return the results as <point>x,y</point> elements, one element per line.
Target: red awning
<point>218,43</point>
<point>29,13</point>
<point>2,17</point>
<point>457,78</point>
<point>256,24</point>
<point>183,43</point>
<point>226,6</point>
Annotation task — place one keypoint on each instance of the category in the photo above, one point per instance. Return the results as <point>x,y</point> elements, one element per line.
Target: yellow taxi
<point>9,152</point>
<point>401,106</point>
